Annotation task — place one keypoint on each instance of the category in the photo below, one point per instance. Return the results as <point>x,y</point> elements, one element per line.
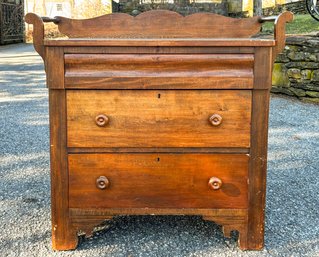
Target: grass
<point>302,24</point>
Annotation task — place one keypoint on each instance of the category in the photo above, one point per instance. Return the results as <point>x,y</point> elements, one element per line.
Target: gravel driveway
<point>292,216</point>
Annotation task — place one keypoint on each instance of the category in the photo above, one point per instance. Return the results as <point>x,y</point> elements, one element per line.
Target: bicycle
<point>313,8</point>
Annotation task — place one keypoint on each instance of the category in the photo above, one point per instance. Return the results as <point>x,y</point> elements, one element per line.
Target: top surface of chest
<point>158,50</point>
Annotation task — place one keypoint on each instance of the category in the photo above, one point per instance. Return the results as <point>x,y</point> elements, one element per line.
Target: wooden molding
<point>38,32</point>
<point>232,223</point>
<point>85,220</point>
<point>54,65</point>
<point>160,24</point>
<point>64,237</point>
<point>280,36</point>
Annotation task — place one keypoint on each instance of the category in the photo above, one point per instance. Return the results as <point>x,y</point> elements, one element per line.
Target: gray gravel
<point>292,216</point>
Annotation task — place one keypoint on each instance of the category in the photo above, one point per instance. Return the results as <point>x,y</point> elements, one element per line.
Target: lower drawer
<point>158,180</point>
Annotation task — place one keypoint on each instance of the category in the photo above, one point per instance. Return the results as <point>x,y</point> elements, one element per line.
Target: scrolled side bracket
<point>279,29</point>
<point>38,32</point>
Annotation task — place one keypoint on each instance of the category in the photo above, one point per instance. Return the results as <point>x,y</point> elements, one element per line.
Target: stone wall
<point>223,7</point>
<point>296,71</point>
<point>297,7</point>
<point>134,7</point>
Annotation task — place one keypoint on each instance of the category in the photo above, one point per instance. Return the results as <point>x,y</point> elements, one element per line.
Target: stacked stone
<point>296,71</point>
<point>297,7</point>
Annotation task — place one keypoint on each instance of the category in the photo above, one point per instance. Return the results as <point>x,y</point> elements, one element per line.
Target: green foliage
<point>302,24</point>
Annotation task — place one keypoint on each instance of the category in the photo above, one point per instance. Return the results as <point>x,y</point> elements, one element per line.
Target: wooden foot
<point>257,244</point>
<point>248,239</point>
<point>242,238</point>
<point>66,239</point>
<point>227,231</point>
<point>246,243</point>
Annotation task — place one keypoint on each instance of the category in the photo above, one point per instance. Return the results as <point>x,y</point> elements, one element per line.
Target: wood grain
<point>38,32</point>
<point>158,50</point>
<point>262,68</point>
<point>154,71</point>
<point>231,219</point>
<point>160,24</point>
<point>279,31</point>
<point>80,213</point>
<point>155,80</point>
<point>93,81</point>
<point>159,28</point>
<point>64,236</point>
<point>153,118</point>
<point>140,42</point>
<point>258,151</point>
<point>157,181</point>
<point>157,150</point>
<point>54,65</point>
<point>149,62</point>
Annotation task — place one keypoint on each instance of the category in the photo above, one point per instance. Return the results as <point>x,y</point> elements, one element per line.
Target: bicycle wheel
<point>313,8</point>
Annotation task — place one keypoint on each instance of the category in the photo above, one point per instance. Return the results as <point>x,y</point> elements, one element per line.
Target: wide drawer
<point>159,71</point>
<point>158,118</point>
<point>158,180</point>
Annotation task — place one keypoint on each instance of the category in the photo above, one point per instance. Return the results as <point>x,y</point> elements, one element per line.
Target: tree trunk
<point>44,9</point>
<point>258,10</point>
<point>34,6</point>
<point>72,4</point>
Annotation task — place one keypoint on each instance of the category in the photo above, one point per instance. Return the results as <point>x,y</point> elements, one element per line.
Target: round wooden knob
<point>215,183</point>
<point>102,182</point>
<point>101,120</point>
<point>215,119</point>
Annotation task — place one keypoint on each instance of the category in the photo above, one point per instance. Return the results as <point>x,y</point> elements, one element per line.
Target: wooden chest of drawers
<point>158,114</point>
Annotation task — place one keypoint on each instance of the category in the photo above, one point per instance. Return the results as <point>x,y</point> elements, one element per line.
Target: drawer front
<point>158,180</point>
<point>158,118</point>
<point>159,71</point>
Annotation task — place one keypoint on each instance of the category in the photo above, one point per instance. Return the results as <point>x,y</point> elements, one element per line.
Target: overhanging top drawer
<point>162,71</point>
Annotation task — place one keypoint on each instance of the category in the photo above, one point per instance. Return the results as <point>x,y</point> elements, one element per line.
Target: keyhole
<point>159,96</point>
<point>158,159</point>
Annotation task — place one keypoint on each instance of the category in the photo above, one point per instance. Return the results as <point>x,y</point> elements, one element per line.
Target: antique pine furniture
<point>158,114</point>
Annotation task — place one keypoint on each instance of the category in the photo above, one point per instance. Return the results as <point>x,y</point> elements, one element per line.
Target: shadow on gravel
<point>292,188</point>
<point>179,235</point>
<point>14,67</point>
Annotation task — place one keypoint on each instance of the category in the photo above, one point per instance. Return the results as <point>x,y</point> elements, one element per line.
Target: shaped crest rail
<point>158,24</point>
